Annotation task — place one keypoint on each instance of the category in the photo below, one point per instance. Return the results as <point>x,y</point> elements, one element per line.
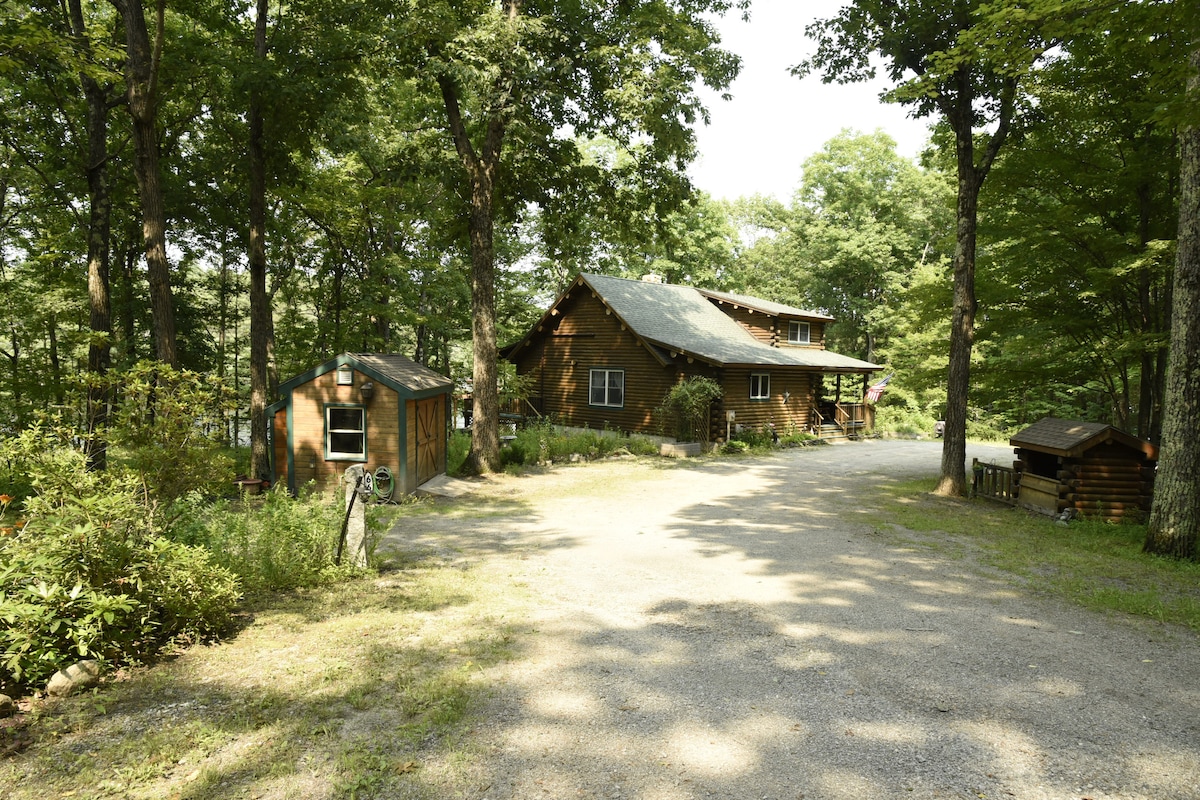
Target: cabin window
<point>760,386</point>
<point>345,433</point>
<point>798,333</point>
<point>607,388</point>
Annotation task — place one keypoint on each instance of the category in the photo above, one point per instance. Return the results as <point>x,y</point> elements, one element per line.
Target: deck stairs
<point>832,432</point>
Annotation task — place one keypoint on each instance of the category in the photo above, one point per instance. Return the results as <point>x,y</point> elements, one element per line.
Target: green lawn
<point>1094,564</point>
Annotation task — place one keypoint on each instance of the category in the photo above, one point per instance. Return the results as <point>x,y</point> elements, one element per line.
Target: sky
<point>757,141</point>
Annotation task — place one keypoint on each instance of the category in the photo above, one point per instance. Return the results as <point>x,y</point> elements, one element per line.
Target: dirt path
<point>729,629</point>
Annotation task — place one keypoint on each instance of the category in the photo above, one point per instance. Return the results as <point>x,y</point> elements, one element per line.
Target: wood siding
<point>770,329</point>
<point>308,429</point>
<point>583,338</point>
<point>787,417</point>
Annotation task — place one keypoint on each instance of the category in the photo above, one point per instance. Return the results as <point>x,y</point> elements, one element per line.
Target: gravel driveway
<point>731,629</point>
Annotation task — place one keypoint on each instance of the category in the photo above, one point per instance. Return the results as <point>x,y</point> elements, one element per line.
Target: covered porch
<point>841,412</point>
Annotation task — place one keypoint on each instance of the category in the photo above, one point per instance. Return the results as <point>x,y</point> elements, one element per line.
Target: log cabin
<point>608,350</point>
<point>374,409</point>
<point>1090,468</point>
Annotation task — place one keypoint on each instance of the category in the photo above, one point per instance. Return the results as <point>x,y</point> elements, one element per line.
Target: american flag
<point>876,391</point>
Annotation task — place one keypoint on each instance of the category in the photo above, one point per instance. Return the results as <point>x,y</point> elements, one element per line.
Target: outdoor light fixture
<point>367,391</point>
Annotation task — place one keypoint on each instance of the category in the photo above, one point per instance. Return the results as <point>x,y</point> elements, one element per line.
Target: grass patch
<point>366,688</point>
<point>1096,565</point>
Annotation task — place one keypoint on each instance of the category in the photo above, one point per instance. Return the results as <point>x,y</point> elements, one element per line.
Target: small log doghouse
<point>1091,468</point>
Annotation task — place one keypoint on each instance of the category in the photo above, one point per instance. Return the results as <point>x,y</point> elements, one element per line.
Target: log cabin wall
<point>787,416</point>
<point>770,329</point>
<point>1109,481</point>
<point>763,327</point>
<point>586,337</point>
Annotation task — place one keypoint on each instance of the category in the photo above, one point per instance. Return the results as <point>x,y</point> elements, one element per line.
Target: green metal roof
<point>766,306</point>
<point>681,319</point>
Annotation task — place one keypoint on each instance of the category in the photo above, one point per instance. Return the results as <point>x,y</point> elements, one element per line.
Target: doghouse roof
<point>1072,438</point>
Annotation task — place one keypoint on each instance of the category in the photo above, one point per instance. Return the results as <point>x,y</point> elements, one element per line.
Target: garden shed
<point>374,409</point>
<point>1090,467</point>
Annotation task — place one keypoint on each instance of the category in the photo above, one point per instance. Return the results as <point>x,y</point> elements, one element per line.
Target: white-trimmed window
<point>606,387</point>
<point>760,386</point>
<point>345,433</point>
<point>799,333</point>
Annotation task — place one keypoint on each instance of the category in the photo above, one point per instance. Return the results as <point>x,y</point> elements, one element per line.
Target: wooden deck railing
<point>994,482</point>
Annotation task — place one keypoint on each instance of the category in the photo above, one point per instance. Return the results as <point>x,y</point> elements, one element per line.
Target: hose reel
<point>384,485</point>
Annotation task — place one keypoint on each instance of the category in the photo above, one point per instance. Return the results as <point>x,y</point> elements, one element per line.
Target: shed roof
<point>1073,438</point>
<point>393,370</point>
<point>680,319</point>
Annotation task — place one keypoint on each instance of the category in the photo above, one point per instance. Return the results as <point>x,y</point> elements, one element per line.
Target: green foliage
<point>90,576</point>
<point>456,452</point>
<point>272,543</point>
<point>544,443</point>
<point>686,408</point>
<point>756,438</point>
<point>167,430</point>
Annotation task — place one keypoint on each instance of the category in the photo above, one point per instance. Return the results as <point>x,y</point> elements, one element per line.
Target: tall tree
<point>97,99</point>
<point>141,83</point>
<point>519,81</point>
<point>1174,527</point>
<point>939,69</point>
<point>260,307</point>
<point>865,217</point>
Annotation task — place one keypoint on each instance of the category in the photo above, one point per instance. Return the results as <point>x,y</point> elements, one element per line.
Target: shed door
<point>431,438</point>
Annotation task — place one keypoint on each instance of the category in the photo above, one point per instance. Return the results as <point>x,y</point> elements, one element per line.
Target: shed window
<point>760,386</point>
<point>798,333</point>
<point>607,388</point>
<point>345,433</point>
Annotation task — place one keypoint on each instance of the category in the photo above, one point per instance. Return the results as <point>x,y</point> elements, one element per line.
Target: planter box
<point>680,449</point>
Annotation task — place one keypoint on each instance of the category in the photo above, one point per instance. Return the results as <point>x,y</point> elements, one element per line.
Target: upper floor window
<point>798,333</point>
<point>760,386</point>
<point>607,388</point>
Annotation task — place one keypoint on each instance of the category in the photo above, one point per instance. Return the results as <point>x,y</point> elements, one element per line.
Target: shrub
<point>89,574</point>
<point>685,412</point>
<point>167,430</point>
<point>278,542</point>
<point>757,438</point>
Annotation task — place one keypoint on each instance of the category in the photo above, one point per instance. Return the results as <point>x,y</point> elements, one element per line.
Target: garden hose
<point>385,486</point>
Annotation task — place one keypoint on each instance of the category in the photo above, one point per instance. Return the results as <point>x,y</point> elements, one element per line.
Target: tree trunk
<point>958,109</point>
<point>99,249</point>
<point>962,325</point>
<point>484,455</point>
<point>141,74</point>
<point>1174,527</point>
<point>485,427</point>
<point>260,310</point>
